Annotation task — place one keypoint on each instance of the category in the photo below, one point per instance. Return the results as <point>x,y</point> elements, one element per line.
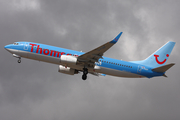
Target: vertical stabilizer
<point>158,58</point>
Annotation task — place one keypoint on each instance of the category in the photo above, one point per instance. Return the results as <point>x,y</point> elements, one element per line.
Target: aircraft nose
<point>7,47</point>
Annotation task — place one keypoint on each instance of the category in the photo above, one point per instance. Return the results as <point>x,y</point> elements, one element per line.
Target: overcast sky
<point>35,90</point>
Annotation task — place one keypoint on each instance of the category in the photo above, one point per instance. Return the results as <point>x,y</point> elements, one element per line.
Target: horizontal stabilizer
<point>165,75</point>
<point>164,68</point>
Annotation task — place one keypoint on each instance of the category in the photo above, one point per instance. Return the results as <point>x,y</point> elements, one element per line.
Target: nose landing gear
<point>19,61</point>
<point>17,56</point>
<point>85,72</point>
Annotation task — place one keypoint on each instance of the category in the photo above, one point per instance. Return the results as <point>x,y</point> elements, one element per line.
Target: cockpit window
<point>15,43</point>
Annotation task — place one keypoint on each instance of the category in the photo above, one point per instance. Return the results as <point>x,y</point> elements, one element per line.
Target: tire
<point>19,61</point>
<point>84,76</point>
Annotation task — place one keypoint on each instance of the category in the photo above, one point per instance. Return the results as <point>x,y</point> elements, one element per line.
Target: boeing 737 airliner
<point>73,62</point>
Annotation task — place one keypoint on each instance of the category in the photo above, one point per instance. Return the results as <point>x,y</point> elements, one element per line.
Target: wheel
<point>84,76</point>
<point>19,61</point>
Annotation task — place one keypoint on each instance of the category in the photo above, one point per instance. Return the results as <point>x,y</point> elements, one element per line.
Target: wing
<point>93,56</point>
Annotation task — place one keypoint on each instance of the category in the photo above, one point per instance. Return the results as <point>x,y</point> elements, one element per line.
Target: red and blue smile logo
<point>156,57</point>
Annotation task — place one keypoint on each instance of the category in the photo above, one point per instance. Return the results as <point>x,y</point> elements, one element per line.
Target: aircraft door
<point>139,69</point>
<point>26,45</point>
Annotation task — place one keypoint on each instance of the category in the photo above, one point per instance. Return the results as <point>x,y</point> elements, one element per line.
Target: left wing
<point>93,56</point>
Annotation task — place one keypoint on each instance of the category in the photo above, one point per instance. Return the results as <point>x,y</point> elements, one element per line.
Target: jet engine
<point>68,60</point>
<point>67,70</point>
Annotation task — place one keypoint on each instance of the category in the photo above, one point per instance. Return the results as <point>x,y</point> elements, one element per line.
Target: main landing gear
<point>85,72</point>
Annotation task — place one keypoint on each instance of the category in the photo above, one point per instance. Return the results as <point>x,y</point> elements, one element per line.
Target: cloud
<point>35,90</point>
<point>22,5</point>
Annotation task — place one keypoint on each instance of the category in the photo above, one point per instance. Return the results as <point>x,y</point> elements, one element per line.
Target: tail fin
<point>158,58</point>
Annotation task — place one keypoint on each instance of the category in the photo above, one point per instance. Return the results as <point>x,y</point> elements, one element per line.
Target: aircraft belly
<point>44,58</point>
<point>18,52</point>
<point>119,73</point>
<point>36,56</point>
<point>22,54</point>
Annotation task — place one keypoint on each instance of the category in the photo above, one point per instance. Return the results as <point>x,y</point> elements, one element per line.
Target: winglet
<point>116,38</point>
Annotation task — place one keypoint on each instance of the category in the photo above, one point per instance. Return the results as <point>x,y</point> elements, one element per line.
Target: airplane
<point>93,62</point>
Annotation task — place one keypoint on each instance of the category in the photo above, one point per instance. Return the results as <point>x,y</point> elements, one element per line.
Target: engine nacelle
<point>67,70</point>
<point>68,60</point>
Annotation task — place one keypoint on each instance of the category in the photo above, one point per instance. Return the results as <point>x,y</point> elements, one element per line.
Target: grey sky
<point>35,90</point>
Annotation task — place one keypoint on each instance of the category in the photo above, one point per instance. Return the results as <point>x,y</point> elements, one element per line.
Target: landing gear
<point>19,61</point>
<point>17,56</point>
<point>84,76</point>
<point>85,72</point>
